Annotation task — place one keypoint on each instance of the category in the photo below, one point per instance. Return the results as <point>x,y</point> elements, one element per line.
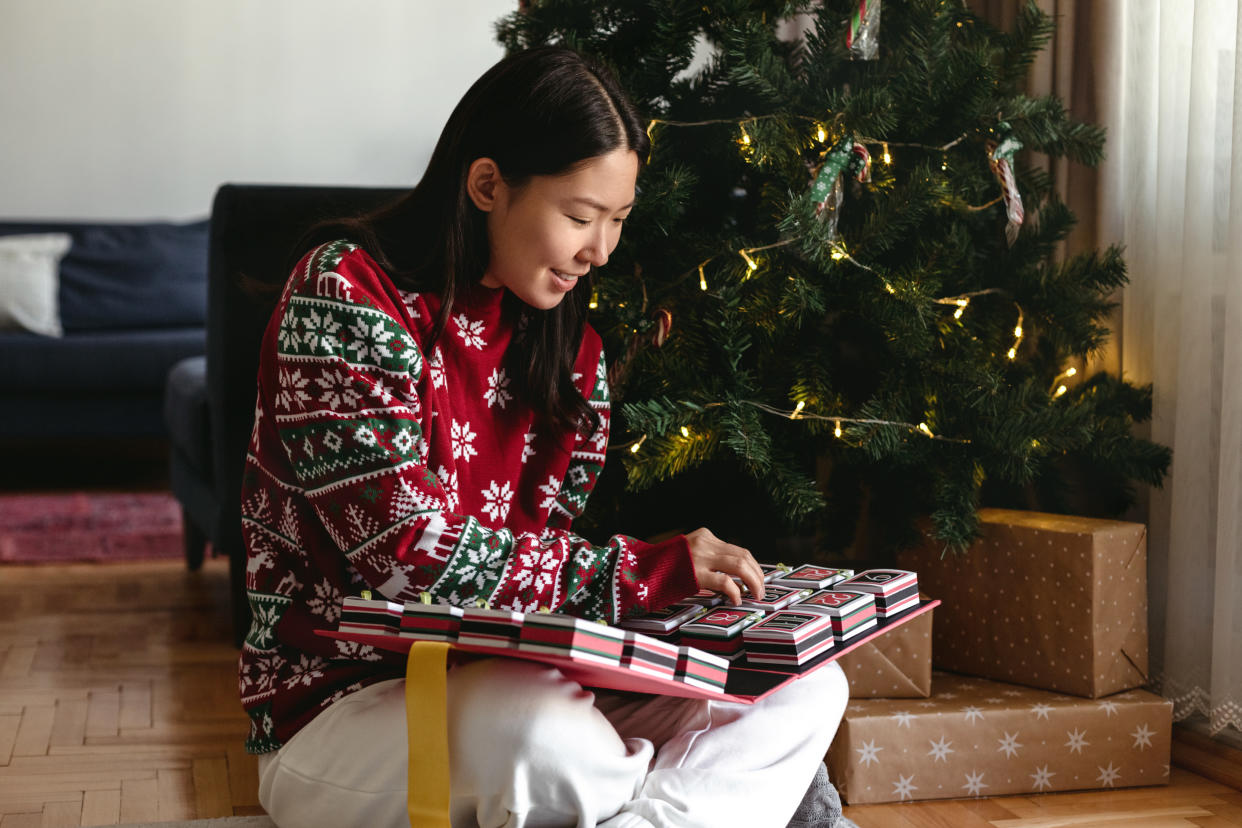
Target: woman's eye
<point>580,221</point>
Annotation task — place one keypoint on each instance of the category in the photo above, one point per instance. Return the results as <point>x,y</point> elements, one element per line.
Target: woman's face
<point>547,234</point>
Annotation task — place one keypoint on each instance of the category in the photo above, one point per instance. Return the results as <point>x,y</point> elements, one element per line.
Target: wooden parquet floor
<point>118,696</point>
<point>118,704</point>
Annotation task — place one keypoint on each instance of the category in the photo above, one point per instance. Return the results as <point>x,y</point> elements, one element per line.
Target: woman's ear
<point>484,183</point>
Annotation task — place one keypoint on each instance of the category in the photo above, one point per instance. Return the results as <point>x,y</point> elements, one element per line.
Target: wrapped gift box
<point>1049,601</point>
<point>975,737</point>
<point>896,665</point>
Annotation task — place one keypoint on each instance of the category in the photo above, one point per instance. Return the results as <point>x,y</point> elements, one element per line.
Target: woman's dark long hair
<point>539,112</point>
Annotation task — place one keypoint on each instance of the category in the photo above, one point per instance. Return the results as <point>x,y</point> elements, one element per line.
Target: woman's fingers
<point>717,562</point>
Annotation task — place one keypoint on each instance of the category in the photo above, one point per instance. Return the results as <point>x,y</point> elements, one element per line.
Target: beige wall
<point>140,108</point>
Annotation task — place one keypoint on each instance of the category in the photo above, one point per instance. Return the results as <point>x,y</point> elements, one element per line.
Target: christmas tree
<point>836,304</point>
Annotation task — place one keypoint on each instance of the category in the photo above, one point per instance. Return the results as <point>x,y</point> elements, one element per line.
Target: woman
<point>432,415</point>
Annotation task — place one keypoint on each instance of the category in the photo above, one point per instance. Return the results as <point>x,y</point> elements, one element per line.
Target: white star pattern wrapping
<point>976,737</point>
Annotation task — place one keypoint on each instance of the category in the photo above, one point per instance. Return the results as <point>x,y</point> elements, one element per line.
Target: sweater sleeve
<point>344,389</point>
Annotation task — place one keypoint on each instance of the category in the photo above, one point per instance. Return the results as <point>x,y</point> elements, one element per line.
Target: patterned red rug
<point>78,526</point>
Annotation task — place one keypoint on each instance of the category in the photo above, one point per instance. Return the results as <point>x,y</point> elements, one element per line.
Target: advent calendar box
<point>895,665</point>
<point>1050,601</point>
<point>976,738</point>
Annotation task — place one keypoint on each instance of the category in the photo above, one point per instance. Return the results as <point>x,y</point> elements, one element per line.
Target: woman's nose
<point>597,249</point>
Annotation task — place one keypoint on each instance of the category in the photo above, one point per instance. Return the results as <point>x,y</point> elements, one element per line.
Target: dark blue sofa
<point>133,303</point>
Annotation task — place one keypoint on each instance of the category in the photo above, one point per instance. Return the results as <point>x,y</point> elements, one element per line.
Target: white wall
<point>139,109</point>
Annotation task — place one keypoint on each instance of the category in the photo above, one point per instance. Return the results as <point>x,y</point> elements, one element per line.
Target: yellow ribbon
<point>426,719</point>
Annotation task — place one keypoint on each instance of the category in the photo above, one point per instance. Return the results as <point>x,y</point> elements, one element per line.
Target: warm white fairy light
<point>888,159</point>
<point>702,279</point>
<point>836,428</point>
<point>751,264</point>
<point>685,432</point>
<point>798,409</point>
<point>820,135</point>
<point>1061,389</point>
<point>923,428</point>
<point>634,448</point>
<point>961,308</point>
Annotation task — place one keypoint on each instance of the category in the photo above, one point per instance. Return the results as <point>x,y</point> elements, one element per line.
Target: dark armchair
<point>253,230</point>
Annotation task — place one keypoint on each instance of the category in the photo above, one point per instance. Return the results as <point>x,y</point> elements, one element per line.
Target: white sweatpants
<point>530,748</point>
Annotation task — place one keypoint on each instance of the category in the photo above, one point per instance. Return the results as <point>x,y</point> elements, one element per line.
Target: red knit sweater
<point>376,465</point>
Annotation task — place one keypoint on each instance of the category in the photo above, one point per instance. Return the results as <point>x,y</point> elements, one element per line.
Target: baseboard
<point>1208,757</point>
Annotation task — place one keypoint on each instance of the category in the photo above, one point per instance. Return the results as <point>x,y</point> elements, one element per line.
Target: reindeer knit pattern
<point>375,465</point>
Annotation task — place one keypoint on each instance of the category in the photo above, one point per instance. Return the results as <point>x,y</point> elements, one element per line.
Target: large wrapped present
<point>975,737</point>
<point>895,665</point>
<point>1049,601</point>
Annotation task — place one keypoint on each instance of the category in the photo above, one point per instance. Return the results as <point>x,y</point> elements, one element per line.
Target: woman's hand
<point>716,561</point>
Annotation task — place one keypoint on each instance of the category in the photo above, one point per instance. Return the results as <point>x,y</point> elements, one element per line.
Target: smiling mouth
<point>569,277</point>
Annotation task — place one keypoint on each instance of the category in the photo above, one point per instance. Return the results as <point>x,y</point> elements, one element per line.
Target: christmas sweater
<point>374,464</point>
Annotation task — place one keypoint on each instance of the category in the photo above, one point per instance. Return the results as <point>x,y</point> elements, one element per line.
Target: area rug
<point>89,526</point>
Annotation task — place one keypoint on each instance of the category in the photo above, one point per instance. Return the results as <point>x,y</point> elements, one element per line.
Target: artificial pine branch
<point>926,349</point>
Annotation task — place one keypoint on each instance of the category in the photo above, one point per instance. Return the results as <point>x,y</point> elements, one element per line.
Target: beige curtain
<point>1164,77</point>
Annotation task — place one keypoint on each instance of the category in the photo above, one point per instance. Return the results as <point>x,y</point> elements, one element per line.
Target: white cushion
<point>29,281</point>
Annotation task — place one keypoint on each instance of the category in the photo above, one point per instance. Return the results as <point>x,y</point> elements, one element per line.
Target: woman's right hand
<point>715,562</point>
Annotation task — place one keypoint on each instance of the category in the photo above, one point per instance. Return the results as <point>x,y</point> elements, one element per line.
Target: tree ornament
<point>1000,159</point>
<point>663,327</point>
<point>863,36</point>
<point>827,191</point>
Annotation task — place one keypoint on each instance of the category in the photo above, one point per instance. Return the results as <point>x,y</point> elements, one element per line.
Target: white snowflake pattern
<point>1108,775</point>
<point>1009,745</point>
<point>326,602</point>
<point>437,368</point>
<point>973,713</point>
<point>263,628</point>
<point>940,750</point>
<point>1109,707</point>
<point>470,332</point>
<point>527,449</point>
<point>497,497</point>
<point>552,488</point>
<point>974,783</point>
<point>869,753</point>
<point>292,387</point>
<point>903,718</point>
<point>403,441</point>
<point>538,570</point>
<point>338,390</point>
<point>463,439</point>
<point>305,672</point>
<point>1041,710</point>
<point>1042,778</point>
<point>1142,736</point>
<point>904,787</point>
<point>449,482</point>
<point>356,651</point>
<point>497,392</point>
<point>408,298</point>
<point>321,332</point>
<point>1077,740</point>
<point>366,435</point>
<point>370,340</point>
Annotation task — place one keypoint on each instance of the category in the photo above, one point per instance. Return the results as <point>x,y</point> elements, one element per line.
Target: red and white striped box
<point>811,576</point>
<point>430,622</point>
<point>577,638</point>
<point>852,613</point>
<point>895,590</point>
<point>370,616</point>
<point>699,669</point>
<point>719,631</point>
<point>649,656</point>
<point>482,627</point>
<point>789,638</point>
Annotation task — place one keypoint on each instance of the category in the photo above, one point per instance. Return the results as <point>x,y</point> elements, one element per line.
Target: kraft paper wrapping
<point>896,665</point>
<point>976,737</point>
<point>1049,601</point>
